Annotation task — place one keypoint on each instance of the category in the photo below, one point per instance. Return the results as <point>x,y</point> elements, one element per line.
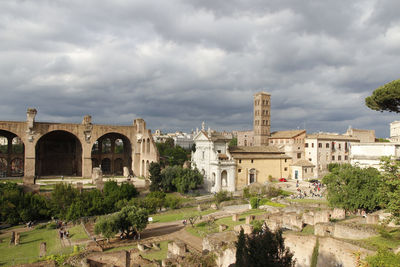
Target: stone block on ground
<point>17,239</point>
<point>199,208</point>
<point>155,246</point>
<point>372,219</point>
<point>235,217</point>
<point>126,172</point>
<point>247,228</point>
<point>249,219</point>
<point>322,216</point>
<point>338,214</point>
<point>79,186</point>
<point>42,249</point>
<point>222,227</point>
<point>177,248</point>
<point>214,206</point>
<point>97,175</point>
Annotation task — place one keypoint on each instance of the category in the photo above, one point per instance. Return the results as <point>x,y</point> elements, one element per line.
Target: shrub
<point>221,196</point>
<point>254,202</point>
<point>257,225</point>
<point>246,192</point>
<point>172,202</point>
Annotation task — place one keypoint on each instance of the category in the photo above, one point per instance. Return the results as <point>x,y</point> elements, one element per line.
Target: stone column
<point>29,162</point>
<point>231,180</point>
<point>86,160</point>
<point>218,181</point>
<point>9,153</point>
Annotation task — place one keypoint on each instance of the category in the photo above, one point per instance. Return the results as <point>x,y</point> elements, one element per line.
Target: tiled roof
<point>332,137</point>
<point>255,149</point>
<point>287,134</point>
<point>303,163</point>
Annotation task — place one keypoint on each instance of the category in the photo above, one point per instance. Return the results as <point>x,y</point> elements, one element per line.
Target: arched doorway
<point>224,179</point>
<point>116,149</point>
<point>59,153</point>
<point>11,154</point>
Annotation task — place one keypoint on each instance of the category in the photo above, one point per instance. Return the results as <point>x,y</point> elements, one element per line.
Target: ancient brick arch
<point>11,159</point>
<point>58,153</point>
<point>39,138</point>
<point>115,150</point>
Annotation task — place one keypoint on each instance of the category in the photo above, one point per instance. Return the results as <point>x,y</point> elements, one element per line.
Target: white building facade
<point>323,148</point>
<point>395,131</point>
<point>369,154</point>
<point>213,160</point>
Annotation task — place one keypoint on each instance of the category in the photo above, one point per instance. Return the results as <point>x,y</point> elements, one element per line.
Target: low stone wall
<point>119,258</point>
<point>302,248</point>
<point>333,253</point>
<point>223,245</point>
<point>349,232</point>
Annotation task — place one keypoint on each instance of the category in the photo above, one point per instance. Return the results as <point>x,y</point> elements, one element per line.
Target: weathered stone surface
<point>247,228</point>
<point>97,175</point>
<point>308,218</point>
<point>141,247</point>
<point>94,246</point>
<point>321,216</point>
<point>177,248</point>
<point>79,186</point>
<point>126,172</point>
<point>323,229</point>
<point>199,208</point>
<point>214,206</point>
<point>17,239</point>
<point>235,217</point>
<point>42,249</point>
<point>333,252</point>
<point>372,219</point>
<point>292,221</point>
<point>301,246</point>
<point>338,214</point>
<point>348,232</point>
<point>223,246</point>
<point>249,219</point>
<point>222,227</point>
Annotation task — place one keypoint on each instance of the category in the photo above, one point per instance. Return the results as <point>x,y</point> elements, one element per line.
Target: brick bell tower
<point>262,118</point>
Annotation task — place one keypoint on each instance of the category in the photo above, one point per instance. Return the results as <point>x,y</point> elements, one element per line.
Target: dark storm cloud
<point>177,63</point>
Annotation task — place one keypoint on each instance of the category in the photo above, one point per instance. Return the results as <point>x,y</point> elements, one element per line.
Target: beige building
<point>324,148</point>
<point>365,136</point>
<point>257,164</point>
<point>245,138</point>
<point>291,142</point>
<point>302,170</point>
<point>395,131</point>
<point>262,118</point>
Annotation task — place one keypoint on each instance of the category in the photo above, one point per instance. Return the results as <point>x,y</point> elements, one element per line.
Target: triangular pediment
<point>201,136</point>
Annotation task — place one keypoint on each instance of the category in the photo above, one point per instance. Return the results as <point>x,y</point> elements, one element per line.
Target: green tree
<point>385,98</point>
<point>155,176</point>
<point>233,142</point>
<point>62,197</point>
<point>263,248</point>
<point>391,186</point>
<point>351,188</point>
<point>107,226</point>
<point>132,220</point>
<point>187,179</point>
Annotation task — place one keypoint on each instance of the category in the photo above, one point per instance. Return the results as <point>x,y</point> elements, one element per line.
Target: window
<point>340,146</point>
<point>333,145</point>
<point>345,157</point>
<point>305,170</point>
<point>327,145</point>
<point>239,170</point>
<point>309,159</point>
<point>306,145</point>
<point>240,161</point>
<point>285,168</point>
<point>312,144</point>
<point>203,155</point>
<point>285,160</point>
<point>312,169</point>
<point>252,161</point>
<point>339,158</point>
<point>333,157</point>
<point>219,151</point>
<point>320,145</point>
<point>299,155</point>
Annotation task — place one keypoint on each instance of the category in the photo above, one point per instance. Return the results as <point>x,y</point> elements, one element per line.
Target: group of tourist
<point>63,233</point>
<point>316,190</point>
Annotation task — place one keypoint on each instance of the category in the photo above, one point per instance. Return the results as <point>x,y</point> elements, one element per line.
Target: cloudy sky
<point>177,63</point>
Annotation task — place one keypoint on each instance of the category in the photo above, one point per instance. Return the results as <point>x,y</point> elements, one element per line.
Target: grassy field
<point>28,249</point>
<point>202,229</point>
<point>77,233</point>
<point>391,240</point>
<point>309,200</point>
<point>177,215</point>
<point>151,254</point>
